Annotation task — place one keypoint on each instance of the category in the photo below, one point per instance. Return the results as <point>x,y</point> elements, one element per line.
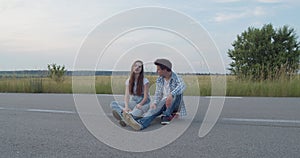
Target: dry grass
<point>196,85</point>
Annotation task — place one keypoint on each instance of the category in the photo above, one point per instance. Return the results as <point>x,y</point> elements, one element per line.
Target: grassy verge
<point>268,88</point>
<point>196,85</point>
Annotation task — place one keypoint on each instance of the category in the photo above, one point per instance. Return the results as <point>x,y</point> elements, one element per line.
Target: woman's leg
<point>139,112</point>
<point>117,106</point>
<point>117,111</point>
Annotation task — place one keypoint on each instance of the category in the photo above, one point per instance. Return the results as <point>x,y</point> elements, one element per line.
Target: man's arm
<point>180,86</point>
<point>158,91</point>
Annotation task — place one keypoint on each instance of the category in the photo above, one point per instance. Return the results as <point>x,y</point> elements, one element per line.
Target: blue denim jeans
<point>160,109</point>
<point>119,106</point>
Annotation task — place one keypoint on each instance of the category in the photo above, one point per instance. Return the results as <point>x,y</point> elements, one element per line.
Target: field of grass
<point>196,85</point>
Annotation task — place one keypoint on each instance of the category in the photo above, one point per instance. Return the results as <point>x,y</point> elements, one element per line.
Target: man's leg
<point>174,106</point>
<point>147,119</point>
<point>152,114</point>
<point>167,114</point>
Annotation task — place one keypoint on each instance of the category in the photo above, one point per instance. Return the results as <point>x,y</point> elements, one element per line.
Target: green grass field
<point>196,85</point>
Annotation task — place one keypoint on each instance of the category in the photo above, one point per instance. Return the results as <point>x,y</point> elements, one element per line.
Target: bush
<point>56,72</point>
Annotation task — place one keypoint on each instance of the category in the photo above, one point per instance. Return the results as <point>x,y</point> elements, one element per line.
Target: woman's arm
<point>146,92</point>
<point>126,98</point>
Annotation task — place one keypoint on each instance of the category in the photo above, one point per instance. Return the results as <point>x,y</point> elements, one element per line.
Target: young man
<point>167,99</point>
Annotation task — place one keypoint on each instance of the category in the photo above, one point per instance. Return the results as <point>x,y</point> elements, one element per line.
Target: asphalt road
<point>48,125</point>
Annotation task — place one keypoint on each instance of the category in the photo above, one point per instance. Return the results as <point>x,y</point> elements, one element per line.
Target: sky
<point>34,33</point>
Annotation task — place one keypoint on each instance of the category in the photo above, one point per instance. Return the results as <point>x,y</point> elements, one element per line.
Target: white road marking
<point>109,114</point>
<point>226,97</point>
<point>122,95</point>
<point>261,120</point>
<point>39,110</point>
<point>50,111</point>
<point>110,95</point>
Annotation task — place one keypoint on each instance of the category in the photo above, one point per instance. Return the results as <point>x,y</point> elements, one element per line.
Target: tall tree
<point>265,53</point>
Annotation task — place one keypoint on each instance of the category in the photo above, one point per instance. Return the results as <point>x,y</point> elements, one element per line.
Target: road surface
<point>48,125</point>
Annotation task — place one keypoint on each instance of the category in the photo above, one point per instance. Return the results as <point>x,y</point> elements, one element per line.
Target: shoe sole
<point>165,123</point>
<point>131,122</point>
<point>118,117</point>
<point>122,123</point>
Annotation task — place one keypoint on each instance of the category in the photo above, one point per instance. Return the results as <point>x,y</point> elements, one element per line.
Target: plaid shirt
<point>177,87</point>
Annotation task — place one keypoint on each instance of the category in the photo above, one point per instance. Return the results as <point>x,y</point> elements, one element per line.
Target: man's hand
<point>169,101</point>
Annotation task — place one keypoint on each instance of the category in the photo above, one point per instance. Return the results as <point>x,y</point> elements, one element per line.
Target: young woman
<point>137,98</point>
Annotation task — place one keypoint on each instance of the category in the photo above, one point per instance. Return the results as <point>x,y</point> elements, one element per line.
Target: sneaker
<point>131,121</point>
<point>175,115</point>
<point>165,120</point>
<point>122,123</point>
<point>119,118</point>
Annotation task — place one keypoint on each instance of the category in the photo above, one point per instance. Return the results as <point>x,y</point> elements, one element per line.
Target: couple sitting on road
<point>136,110</point>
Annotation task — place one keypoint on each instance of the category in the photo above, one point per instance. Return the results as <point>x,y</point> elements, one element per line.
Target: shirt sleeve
<point>180,86</point>
<point>127,82</point>
<point>146,81</point>
<point>158,91</point>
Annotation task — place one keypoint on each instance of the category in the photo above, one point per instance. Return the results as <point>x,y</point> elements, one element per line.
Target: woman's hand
<point>139,106</point>
<point>152,106</point>
<point>126,109</point>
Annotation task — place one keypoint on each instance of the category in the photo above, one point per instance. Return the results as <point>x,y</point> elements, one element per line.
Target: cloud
<point>259,11</point>
<point>43,26</point>
<point>221,17</point>
<point>236,15</point>
<point>269,1</point>
<point>226,1</point>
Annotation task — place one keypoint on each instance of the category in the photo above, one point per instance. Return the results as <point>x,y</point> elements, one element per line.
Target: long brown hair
<point>140,81</point>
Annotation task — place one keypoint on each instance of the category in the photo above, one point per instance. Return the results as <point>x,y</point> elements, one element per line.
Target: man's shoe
<point>119,118</point>
<point>131,121</point>
<point>165,120</point>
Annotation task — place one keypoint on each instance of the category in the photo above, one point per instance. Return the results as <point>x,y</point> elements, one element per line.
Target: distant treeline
<point>44,73</point>
<point>24,73</point>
